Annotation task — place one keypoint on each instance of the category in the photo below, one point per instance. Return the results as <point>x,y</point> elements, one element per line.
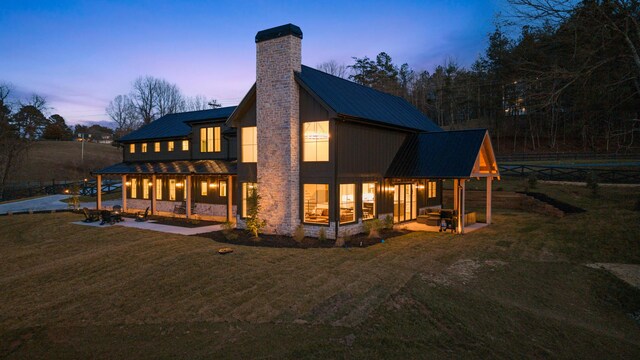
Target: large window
<point>185,145</point>
<point>431,189</point>
<point>172,189</point>
<point>247,189</point>
<point>170,146</point>
<point>132,148</point>
<point>145,188</point>
<point>315,141</point>
<point>144,148</point>
<point>368,201</point>
<point>316,203</point>
<point>156,146</point>
<point>249,144</point>
<point>134,188</point>
<point>158,189</point>
<point>347,203</point>
<point>210,139</point>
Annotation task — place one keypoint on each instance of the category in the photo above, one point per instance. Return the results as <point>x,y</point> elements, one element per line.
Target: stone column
<point>278,125</point>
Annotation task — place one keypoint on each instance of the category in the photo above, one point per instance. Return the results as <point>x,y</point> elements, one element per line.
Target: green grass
<point>518,288</point>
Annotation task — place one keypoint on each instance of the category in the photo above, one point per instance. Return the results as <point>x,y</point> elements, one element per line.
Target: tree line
<point>569,79</point>
<point>149,99</point>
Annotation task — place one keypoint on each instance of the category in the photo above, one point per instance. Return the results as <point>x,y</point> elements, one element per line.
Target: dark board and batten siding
<point>228,145</point>
<point>163,155</point>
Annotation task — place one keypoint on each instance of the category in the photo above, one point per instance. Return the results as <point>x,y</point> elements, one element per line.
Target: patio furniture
<point>182,208</point>
<point>142,216</point>
<point>116,213</point>
<point>450,217</point>
<point>106,217</point>
<point>90,215</point>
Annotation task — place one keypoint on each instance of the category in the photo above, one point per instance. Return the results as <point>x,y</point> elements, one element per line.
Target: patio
<point>416,226</point>
<point>153,226</point>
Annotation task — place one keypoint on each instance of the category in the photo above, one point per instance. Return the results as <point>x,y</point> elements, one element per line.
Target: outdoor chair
<point>90,216</point>
<point>106,217</point>
<point>116,213</point>
<point>142,215</point>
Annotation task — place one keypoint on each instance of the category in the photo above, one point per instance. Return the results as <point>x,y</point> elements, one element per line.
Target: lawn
<point>516,289</point>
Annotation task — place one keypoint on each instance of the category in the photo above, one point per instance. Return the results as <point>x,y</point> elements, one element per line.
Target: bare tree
<point>332,67</point>
<point>168,99</point>
<point>123,112</point>
<point>198,102</point>
<point>143,95</point>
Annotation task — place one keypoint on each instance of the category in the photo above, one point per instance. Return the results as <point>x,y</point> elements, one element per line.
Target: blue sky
<point>81,54</point>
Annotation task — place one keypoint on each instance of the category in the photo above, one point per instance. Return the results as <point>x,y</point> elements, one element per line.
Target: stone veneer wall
<point>203,209</point>
<point>278,124</point>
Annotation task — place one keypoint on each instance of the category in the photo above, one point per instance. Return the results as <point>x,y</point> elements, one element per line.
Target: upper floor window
<point>156,146</point>
<point>210,139</point>
<point>132,148</point>
<point>315,141</point>
<point>185,145</point>
<point>144,147</point>
<point>170,145</point>
<point>249,144</point>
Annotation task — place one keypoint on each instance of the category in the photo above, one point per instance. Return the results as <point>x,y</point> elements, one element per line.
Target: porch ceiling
<point>183,167</point>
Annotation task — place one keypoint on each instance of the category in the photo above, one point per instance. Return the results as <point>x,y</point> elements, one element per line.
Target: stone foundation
<point>216,212</point>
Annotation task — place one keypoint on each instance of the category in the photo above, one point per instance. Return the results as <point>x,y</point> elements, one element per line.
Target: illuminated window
<point>145,188</point>
<point>316,203</point>
<point>316,141</point>
<point>223,188</point>
<point>134,188</point>
<point>185,145</point>
<point>132,148</point>
<point>431,189</point>
<point>210,139</point>
<point>170,145</point>
<point>203,188</point>
<point>247,189</point>
<point>249,144</point>
<point>183,185</point>
<point>368,201</point>
<point>144,147</point>
<point>156,147</point>
<point>172,189</point>
<point>347,203</point>
<point>158,189</point>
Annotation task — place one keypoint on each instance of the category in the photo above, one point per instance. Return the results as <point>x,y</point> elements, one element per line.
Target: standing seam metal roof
<point>445,154</point>
<point>350,99</point>
<point>176,125</point>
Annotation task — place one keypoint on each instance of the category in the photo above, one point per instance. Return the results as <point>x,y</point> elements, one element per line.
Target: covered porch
<point>202,189</point>
<point>455,158</point>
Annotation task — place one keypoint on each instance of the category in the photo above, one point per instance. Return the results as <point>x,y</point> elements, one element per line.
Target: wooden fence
<point>581,174</point>
<point>566,156</point>
<point>29,189</point>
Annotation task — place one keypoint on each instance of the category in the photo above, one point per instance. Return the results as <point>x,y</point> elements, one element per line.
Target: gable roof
<point>176,125</point>
<point>349,99</point>
<point>445,154</point>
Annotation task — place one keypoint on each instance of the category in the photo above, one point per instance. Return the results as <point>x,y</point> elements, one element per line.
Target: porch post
<point>188,190</point>
<point>456,183</point>
<point>488,212</point>
<point>99,192</point>
<point>229,198</point>
<point>153,194</point>
<point>124,193</point>
<point>462,198</point>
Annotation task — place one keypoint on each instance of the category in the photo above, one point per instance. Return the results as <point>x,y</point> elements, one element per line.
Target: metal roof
<point>445,154</point>
<point>181,167</point>
<point>176,125</point>
<point>354,100</point>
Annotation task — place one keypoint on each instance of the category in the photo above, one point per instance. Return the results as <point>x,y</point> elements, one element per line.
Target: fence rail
<point>29,189</point>
<point>560,173</point>
<point>566,156</point>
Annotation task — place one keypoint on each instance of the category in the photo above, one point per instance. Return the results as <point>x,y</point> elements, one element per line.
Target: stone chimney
<point>278,123</point>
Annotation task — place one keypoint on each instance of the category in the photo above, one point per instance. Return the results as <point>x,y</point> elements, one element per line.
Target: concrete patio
<point>416,226</point>
<point>153,226</point>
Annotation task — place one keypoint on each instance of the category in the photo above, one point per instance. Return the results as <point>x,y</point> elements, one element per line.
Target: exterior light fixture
<point>128,183</point>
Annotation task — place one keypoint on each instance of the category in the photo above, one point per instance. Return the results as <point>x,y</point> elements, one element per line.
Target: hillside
<point>61,160</point>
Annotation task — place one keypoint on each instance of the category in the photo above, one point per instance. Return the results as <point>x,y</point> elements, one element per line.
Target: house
<point>321,151</point>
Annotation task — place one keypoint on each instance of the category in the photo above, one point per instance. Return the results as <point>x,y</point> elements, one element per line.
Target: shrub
<point>388,222</point>
<point>532,181</point>
<point>592,183</point>
<point>322,234</point>
<point>298,234</point>
<point>340,242</point>
<point>254,223</point>
<point>227,231</point>
<point>372,227</point>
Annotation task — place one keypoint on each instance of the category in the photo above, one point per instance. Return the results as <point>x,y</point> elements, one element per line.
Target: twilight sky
<point>81,54</point>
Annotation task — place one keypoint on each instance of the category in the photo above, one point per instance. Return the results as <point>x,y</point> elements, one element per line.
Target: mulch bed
<point>563,206</point>
<point>282,241</point>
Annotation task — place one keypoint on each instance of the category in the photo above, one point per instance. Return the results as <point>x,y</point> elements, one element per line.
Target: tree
<point>123,112</point>
<point>12,145</point>
<point>199,102</point>
<point>254,223</point>
<point>143,95</point>
<point>29,122</point>
<point>168,98</point>
<point>334,68</point>
<point>57,129</point>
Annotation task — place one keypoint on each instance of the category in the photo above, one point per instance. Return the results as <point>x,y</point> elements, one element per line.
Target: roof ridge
<point>192,111</point>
